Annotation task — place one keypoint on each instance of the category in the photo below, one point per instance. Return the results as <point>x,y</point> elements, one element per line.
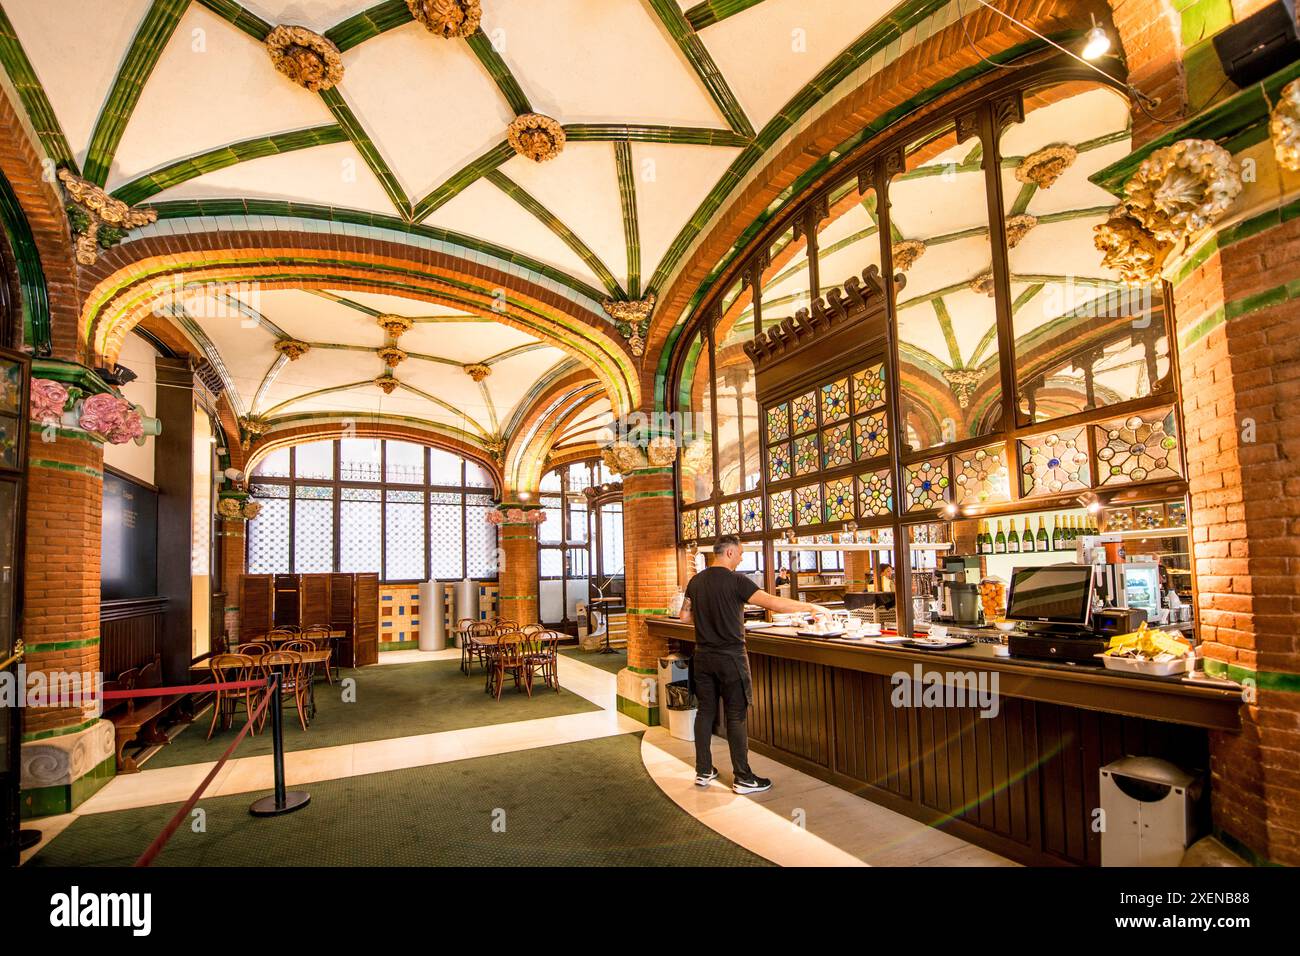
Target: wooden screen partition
<point>256,602</point>
<point>288,600</point>
<point>365,635</point>
<point>342,616</point>
<point>315,599</point>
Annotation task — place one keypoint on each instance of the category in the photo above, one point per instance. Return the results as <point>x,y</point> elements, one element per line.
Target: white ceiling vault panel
<point>424,131</point>
<point>317,15</point>
<point>770,51</point>
<point>212,86</point>
<point>671,182</point>
<point>398,305</point>
<point>76,66</point>
<point>598,61</point>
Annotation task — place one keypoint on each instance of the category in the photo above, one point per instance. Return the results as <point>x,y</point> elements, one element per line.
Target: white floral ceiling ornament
<point>447,18</point>
<point>98,219</point>
<point>1045,166</point>
<point>1284,127</point>
<point>1129,249</point>
<point>307,58</point>
<point>536,137</point>
<point>1183,188</point>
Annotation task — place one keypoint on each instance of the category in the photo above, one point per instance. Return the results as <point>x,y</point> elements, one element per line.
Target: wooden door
<point>256,605</point>
<point>366,617</point>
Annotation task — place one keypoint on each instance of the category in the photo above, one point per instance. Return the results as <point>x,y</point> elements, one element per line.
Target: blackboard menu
<point>128,558</point>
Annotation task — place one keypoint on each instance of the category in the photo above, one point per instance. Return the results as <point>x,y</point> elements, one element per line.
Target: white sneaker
<point>704,779</point>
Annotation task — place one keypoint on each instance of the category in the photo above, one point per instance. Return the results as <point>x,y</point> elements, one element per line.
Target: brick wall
<point>61,571</point>
<point>517,598</point>
<point>649,533</point>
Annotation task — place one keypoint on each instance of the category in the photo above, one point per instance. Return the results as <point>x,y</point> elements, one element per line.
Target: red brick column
<point>67,752</point>
<point>517,594</point>
<point>857,571</point>
<point>1239,353</point>
<point>650,559</point>
<point>1150,32</point>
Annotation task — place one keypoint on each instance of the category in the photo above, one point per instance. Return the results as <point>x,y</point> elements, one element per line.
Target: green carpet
<point>607,662</point>
<point>582,804</point>
<point>392,700</point>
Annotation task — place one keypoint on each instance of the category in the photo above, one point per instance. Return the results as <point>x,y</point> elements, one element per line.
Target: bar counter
<point>1021,780</point>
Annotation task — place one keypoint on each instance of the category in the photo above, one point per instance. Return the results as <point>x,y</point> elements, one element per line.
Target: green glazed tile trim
<point>61,731</point>
<point>32,94</point>
<point>715,11</point>
<point>1263,680</point>
<point>462,179</point>
<point>636,133</point>
<point>43,646</point>
<point>516,597</point>
<point>637,711</point>
<point>397,645</point>
<point>233,13</point>
<point>64,798</point>
<point>642,670</point>
<point>183,170</point>
<point>633,496</point>
<point>368,150</point>
<point>64,466</point>
<point>31,273</point>
<point>648,611</point>
<point>1278,295</point>
<point>631,229</point>
<point>1231,235</point>
<point>563,232</point>
<point>1201,19</point>
<point>683,34</point>
<point>141,57</point>
<point>652,471</point>
<point>487,54</point>
<point>369,23</point>
<point>63,433</point>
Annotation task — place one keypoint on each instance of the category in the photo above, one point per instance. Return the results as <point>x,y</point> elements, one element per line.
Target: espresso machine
<point>959,596</point>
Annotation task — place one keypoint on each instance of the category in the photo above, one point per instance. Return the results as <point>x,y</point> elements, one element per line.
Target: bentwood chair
<point>532,628</point>
<point>319,635</point>
<point>293,680</point>
<point>226,669</point>
<point>254,648</point>
<point>505,623</point>
<point>466,645</point>
<point>546,661</point>
<point>476,650</point>
<point>512,655</point>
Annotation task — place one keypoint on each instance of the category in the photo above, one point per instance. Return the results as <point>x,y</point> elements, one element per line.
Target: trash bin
<point>433,633</point>
<point>680,708</point>
<point>1150,812</point>
<point>674,667</point>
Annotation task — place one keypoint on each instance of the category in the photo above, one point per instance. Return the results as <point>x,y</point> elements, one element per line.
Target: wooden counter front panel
<point>1023,783</point>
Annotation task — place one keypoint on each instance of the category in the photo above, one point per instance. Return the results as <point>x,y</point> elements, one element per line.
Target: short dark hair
<point>724,542</point>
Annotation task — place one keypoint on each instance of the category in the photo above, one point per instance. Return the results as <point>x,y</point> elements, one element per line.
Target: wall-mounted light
<point>525,495</point>
<point>1096,43</point>
<point>1090,502</point>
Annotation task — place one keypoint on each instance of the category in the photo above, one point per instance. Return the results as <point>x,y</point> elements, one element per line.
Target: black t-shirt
<point>718,597</point>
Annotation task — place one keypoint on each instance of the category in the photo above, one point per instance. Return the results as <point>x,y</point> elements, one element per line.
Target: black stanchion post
<point>280,801</point>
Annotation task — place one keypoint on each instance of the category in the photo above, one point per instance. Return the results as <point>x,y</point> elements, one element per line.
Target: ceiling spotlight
<point>1089,502</point>
<point>1096,43</point>
<point>525,495</point>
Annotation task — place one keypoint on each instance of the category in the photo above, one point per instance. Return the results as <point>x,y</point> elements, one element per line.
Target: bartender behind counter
<point>715,604</point>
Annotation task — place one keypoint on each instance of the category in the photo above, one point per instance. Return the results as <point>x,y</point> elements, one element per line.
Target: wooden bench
<point>135,719</point>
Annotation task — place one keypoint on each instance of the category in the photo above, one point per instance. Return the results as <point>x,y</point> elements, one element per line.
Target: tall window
<point>406,511</point>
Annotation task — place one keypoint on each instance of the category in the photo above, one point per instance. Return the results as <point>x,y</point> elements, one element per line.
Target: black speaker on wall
<point>1260,45</point>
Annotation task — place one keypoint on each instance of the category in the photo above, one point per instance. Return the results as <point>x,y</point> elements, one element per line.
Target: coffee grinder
<point>959,598</point>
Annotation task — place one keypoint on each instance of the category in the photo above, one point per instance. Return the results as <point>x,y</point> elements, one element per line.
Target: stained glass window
<point>1138,448</point>
<point>751,515</point>
<point>981,476</point>
<point>875,494</point>
<point>871,436</point>
<point>689,529</point>
<point>778,462</point>
<point>360,530</point>
<point>778,422</point>
<point>268,533</point>
<point>780,509</point>
<point>837,446</point>
<point>805,455</point>
<point>708,523</point>
<point>839,499</point>
<point>808,504</point>
<point>869,388</point>
<point>927,481</point>
<point>1177,511</point>
<point>313,529</point>
<point>804,410</point>
<point>835,400</point>
<point>404,535</point>
<point>1053,463</point>
<point>729,517</point>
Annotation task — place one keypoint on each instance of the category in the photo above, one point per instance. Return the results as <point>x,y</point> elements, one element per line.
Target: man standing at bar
<point>715,604</point>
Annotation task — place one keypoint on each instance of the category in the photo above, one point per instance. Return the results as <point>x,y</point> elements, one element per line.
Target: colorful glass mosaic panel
<point>869,388</point>
<point>1138,448</point>
<point>1177,512</point>
<point>751,515</point>
<point>729,517</point>
<point>838,499</point>
<point>778,422</point>
<point>1053,463</point>
<point>871,436</point>
<point>708,523</point>
<point>835,401</point>
<point>805,455</point>
<point>689,528</point>
<point>778,462</point>
<point>981,476</point>
<point>780,509</point>
<point>805,412</point>
<point>875,494</point>
<point>927,481</point>
<point>837,446</point>
<point>808,504</point>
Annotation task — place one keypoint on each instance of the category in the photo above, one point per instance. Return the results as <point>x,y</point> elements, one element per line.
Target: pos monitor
<point>1058,594</point>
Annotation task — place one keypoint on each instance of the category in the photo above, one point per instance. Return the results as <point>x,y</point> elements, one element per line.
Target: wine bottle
<point>1044,543</point>
<point>984,542</point>
<point>1058,534</point>
<point>1013,538</point>
<point>1000,542</point>
<point>1027,539</point>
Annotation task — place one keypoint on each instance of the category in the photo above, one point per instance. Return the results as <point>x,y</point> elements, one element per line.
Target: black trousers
<point>727,679</point>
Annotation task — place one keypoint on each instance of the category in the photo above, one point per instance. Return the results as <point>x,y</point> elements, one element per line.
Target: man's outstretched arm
<point>781,605</point>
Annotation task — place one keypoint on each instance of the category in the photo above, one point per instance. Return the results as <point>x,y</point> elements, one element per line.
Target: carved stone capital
<point>98,219</point>
<point>292,349</point>
<point>252,426</point>
<point>535,136</point>
<point>447,18</point>
<point>1183,188</point>
<point>307,58</point>
<point>478,371</point>
<point>386,383</point>
<point>632,319</point>
<point>1129,249</point>
<point>962,381</point>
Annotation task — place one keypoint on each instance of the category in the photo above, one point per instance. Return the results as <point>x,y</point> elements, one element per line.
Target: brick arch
<point>131,281</point>
<point>1150,33</point>
<point>926,68</point>
<point>526,453</point>
<point>331,428</point>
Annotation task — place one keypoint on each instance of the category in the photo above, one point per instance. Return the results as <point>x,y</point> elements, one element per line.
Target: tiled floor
<point>838,828</point>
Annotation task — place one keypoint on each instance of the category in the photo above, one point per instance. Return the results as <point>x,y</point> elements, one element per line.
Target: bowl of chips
<point>1149,651</point>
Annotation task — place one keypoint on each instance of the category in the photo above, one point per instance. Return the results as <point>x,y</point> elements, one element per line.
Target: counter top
<point>1192,699</point>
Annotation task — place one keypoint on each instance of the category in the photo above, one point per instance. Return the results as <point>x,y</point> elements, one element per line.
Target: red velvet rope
<point>157,692</point>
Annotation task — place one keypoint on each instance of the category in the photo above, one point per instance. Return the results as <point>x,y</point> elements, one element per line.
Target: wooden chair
<point>228,668</point>
<point>533,628</point>
<point>277,635</point>
<point>477,652</point>
<point>293,680</point>
<point>505,627</point>
<point>319,636</point>
<point>547,658</point>
<point>463,639</point>
<point>254,648</point>
<point>507,624</point>
<point>513,657</point>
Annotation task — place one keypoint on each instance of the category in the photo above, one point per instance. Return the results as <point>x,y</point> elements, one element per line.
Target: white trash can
<point>1150,812</point>
<point>681,720</point>
<point>433,630</point>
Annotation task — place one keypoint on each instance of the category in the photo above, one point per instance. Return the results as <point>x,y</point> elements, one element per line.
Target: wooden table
<point>335,635</point>
<point>308,657</point>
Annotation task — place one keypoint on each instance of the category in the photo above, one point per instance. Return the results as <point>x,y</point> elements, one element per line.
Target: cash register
<point>1053,609</point>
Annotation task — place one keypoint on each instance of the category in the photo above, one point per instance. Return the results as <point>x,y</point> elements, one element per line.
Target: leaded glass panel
<point>751,515</point>
<point>838,499</point>
<point>808,504</point>
<point>927,482</point>
<point>981,476</point>
<point>875,494</point>
<point>871,436</point>
<point>780,509</point>
<point>313,529</point>
<point>1140,447</point>
<point>404,536</point>
<point>360,530</point>
<point>1053,463</point>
